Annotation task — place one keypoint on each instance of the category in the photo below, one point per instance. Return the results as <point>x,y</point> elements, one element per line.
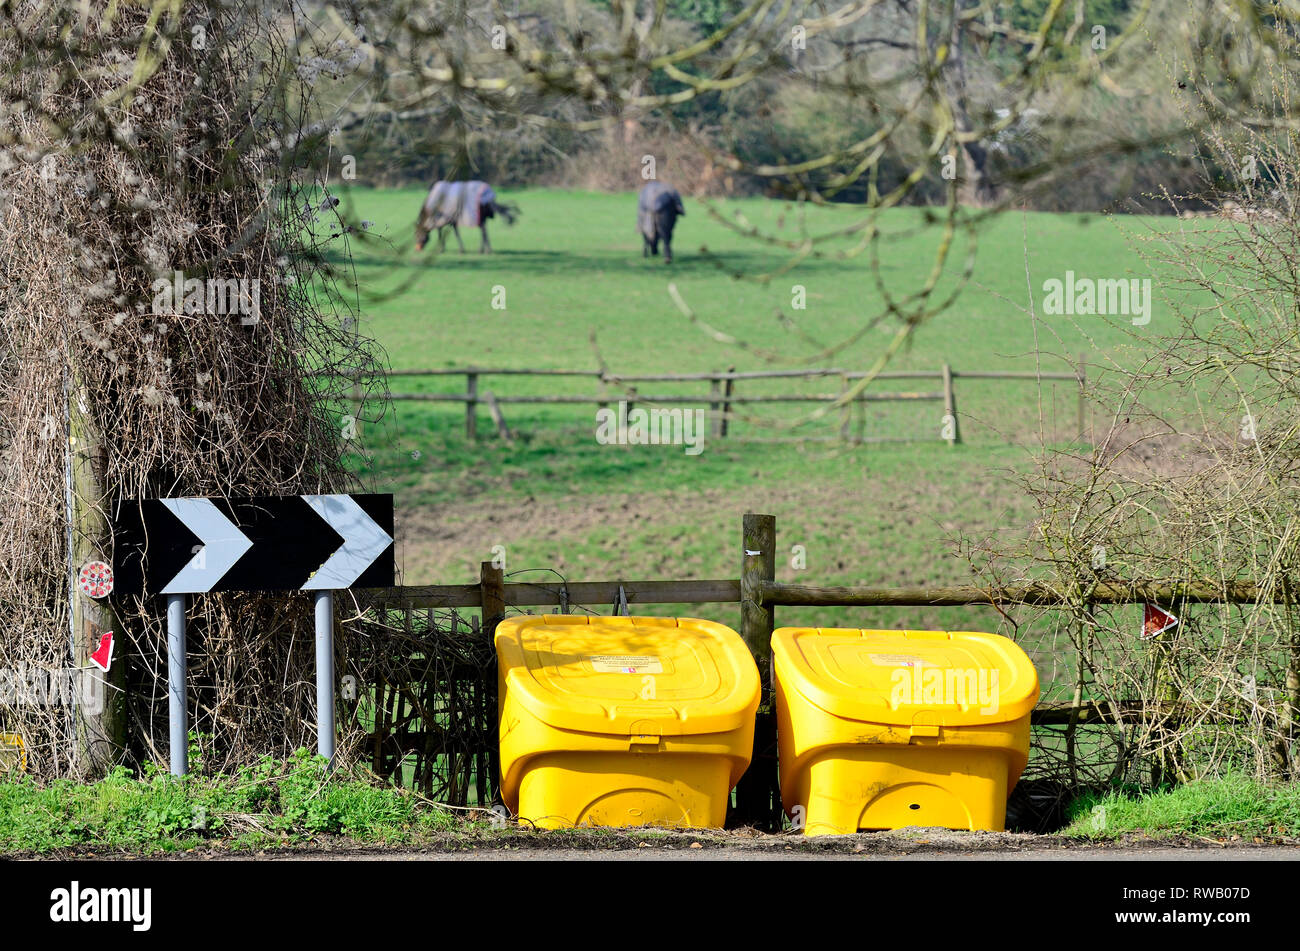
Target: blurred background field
<point>578,293</point>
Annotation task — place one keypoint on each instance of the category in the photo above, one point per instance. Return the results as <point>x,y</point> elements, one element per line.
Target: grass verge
<point>293,805</point>
<point>270,803</point>
<point>1226,807</point>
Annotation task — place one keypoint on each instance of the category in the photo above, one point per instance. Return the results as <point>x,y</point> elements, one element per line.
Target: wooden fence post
<point>471,406</point>
<point>950,405</point>
<point>356,391</point>
<point>727,390</point>
<point>493,592</point>
<point>758,794</point>
<point>1083,654</point>
<point>491,581</point>
<point>1083,389</point>
<point>846,415</point>
<point>758,564</point>
<point>503,430</point>
<point>715,406</point>
<point>1169,764</point>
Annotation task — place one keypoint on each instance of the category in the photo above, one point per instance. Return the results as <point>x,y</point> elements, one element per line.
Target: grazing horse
<point>657,210</point>
<point>452,204</point>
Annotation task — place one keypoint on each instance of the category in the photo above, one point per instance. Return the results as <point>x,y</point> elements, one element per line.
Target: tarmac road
<point>1253,854</point>
<point>1230,854</point>
<point>907,845</point>
<point>741,845</point>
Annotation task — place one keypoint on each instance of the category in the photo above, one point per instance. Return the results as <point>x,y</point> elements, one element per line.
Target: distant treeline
<point>787,118</point>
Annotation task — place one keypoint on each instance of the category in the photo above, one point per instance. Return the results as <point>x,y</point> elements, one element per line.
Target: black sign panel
<point>308,542</point>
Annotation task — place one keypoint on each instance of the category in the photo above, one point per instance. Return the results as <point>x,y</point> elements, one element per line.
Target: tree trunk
<point>976,187</point>
<point>975,184</point>
<point>100,696</point>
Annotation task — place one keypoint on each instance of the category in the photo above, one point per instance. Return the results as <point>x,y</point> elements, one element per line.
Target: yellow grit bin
<point>623,721</point>
<point>886,729</point>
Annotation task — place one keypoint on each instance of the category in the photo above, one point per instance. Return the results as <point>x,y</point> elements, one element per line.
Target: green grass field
<point>576,286</point>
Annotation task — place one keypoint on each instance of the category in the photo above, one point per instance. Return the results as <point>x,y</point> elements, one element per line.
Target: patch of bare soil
<point>1146,455</point>
<point>444,544</point>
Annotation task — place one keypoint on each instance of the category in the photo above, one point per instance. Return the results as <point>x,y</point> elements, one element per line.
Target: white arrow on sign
<point>363,542</point>
<point>223,545</point>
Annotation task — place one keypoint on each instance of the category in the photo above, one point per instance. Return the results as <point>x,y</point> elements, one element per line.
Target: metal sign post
<point>177,715</point>
<point>317,543</point>
<point>325,675</point>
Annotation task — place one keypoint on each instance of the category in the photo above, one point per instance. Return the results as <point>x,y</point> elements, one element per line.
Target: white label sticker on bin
<point>626,664</point>
<point>899,660</point>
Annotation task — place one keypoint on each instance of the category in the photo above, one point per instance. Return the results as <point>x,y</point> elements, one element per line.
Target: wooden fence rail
<point>1039,595</point>
<point>773,593</point>
<point>722,390</point>
<point>758,594</point>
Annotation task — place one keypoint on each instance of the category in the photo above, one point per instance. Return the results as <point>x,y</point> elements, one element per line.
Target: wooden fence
<point>759,593</point>
<point>722,395</point>
<point>765,594</point>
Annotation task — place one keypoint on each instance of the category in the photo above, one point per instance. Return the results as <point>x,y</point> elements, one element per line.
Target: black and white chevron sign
<point>307,543</point>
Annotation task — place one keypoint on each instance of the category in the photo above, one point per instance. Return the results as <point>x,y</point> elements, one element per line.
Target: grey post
<point>176,712</point>
<point>325,674</point>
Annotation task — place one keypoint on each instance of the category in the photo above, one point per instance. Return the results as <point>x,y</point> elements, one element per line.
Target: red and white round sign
<point>96,579</point>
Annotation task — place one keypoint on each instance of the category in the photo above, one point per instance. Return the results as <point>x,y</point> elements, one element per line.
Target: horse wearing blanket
<point>453,204</point>
<point>657,209</point>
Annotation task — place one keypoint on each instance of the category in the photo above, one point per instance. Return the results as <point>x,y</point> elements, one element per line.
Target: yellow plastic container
<point>886,729</point>
<point>623,721</point>
<point>13,755</point>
